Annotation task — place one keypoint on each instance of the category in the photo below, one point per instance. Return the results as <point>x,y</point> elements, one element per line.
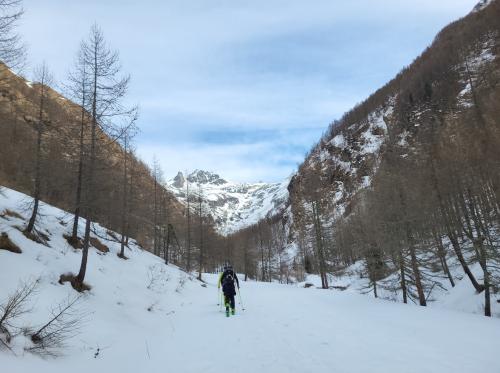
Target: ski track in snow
<point>283,329</point>
<point>289,329</point>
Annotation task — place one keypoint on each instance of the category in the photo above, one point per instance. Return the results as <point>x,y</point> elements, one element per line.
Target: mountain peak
<point>205,177</point>
<point>179,180</point>
<point>232,205</point>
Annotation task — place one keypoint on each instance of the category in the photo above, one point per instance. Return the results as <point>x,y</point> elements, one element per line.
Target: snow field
<point>174,324</point>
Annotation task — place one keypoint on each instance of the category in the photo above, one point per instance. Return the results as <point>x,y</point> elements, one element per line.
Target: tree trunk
<point>418,280</point>
<point>90,180</point>
<point>124,202</point>
<point>486,275</point>
<point>442,258</point>
<point>458,252</point>
<point>319,245</point>
<point>403,277</point>
<point>155,209</point>
<point>188,236</point>
<point>78,197</point>
<point>36,192</point>
<point>200,259</point>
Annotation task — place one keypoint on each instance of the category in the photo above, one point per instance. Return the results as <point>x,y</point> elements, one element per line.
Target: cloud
<point>268,155</point>
<point>242,88</point>
<point>224,159</point>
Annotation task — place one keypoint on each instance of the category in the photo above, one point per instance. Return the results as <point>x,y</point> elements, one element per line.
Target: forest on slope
<point>405,182</point>
<point>75,150</point>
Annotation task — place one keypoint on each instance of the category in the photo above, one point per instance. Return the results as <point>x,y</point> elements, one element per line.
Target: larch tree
<point>79,90</point>
<point>201,248</point>
<point>43,79</point>
<point>12,50</point>
<point>188,227</point>
<point>126,138</point>
<point>107,90</point>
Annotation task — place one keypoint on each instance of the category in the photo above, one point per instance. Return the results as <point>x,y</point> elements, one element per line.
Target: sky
<point>241,88</point>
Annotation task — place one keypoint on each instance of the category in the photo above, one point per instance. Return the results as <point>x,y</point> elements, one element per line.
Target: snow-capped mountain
<point>232,205</point>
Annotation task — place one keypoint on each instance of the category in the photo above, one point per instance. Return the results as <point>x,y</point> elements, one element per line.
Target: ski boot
<point>227,311</point>
<point>232,311</point>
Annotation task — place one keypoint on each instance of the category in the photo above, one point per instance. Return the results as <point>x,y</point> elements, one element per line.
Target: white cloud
<point>261,161</point>
<point>257,65</point>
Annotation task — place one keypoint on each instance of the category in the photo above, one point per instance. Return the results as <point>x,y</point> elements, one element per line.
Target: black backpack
<point>228,283</point>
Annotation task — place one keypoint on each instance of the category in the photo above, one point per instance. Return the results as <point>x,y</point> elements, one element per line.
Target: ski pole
<point>241,302</point>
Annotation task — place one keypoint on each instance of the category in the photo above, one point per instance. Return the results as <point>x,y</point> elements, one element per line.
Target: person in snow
<point>227,280</point>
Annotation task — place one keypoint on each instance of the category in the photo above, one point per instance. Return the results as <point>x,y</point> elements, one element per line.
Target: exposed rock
<point>179,180</point>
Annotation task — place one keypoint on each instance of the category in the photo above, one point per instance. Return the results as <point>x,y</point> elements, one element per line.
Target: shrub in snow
<point>16,305</point>
<point>38,237</point>
<point>7,244</point>
<point>77,285</point>
<point>98,245</point>
<point>64,323</point>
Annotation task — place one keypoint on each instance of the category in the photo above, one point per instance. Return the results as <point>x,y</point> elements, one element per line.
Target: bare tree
<point>201,227</point>
<point>12,50</point>
<point>43,79</point>
<point>79,90</point>
<point>125,211</point>
<point>188,227</point>
<point>107,90</point>
<point>157,190</point>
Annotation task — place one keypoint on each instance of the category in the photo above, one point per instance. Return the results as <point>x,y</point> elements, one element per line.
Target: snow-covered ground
<point>233,206</point>
<point>463,297</point>
<point>174,324</point>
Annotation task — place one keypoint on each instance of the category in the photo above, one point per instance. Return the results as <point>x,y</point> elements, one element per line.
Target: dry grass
<point>99,245</point>
<point>37,236</point>
<point>11,214</point>
<point>71,278</point>
<point>75,243</point>
<point>7,244</point>
<point>94,242</point>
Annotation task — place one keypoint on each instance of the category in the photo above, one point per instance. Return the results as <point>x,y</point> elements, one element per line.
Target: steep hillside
<point>233,206</point>
<point>127,301</point>
<point>345,160</point>
<point>411,175</point>
<point>19,113</point>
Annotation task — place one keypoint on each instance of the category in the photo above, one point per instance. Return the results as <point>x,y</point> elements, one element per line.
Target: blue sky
<point>243,88</point>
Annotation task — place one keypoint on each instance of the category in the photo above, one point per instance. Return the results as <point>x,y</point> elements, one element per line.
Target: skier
<point>227,279</point>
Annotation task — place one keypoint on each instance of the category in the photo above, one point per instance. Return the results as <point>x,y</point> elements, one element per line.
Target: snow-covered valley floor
<point>141,315</point>
<point>283,329</point>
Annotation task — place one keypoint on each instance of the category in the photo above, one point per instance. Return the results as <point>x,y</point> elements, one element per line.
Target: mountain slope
<point>395,119</point>
<point>233,206</point>
<point>19,100</point>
